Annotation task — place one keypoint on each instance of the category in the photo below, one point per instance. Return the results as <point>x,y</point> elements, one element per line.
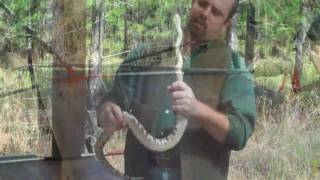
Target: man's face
<point>208,18</point>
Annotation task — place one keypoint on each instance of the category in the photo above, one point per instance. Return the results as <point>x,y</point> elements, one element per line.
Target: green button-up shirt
<point>238,90</point>
<point>236,99</point>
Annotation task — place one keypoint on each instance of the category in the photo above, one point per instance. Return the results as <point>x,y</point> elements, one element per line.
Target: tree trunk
<point>69,93</point>
<point>43,120</point>
<point>126,43</point>
<point>251,33</point>
<point>232,37</point>
<point>300,40</point>
<point>95,82</point>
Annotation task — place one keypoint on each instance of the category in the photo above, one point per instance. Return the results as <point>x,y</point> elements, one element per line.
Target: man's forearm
<point>214,122</point>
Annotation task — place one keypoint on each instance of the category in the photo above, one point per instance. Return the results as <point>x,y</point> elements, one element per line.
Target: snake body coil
<point>151,143</point>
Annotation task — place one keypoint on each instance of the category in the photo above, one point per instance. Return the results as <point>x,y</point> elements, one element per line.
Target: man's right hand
<point>110,117</point>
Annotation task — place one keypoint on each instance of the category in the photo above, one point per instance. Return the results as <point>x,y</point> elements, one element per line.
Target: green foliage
<point>16,15</point>
<point>284,145</point>
<point>309,74</point>
<point>272,67</point>
<point>277,21</point>
<point>147,20</point>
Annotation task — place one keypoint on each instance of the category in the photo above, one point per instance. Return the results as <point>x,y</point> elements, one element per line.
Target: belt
<point>165,162</point>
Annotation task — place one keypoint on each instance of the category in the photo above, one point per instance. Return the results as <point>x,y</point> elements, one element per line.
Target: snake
<point>147,140</point>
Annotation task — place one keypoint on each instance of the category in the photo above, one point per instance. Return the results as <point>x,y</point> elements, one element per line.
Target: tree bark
<point>69,97</point>
<point>43,120</point>
<point>95,82</point>
<point>300,38</point>
<point>232,37</point>
<point>126,43</point>
<point>251,33</point>
<point>300,41</point>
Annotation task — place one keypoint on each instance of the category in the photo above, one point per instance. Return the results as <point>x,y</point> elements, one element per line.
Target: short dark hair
<point>234,9</point>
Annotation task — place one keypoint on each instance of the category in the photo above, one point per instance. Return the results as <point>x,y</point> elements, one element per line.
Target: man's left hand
<point>184,101</point>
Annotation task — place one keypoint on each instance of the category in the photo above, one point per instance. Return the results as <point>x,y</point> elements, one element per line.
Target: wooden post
<point>69,97</point>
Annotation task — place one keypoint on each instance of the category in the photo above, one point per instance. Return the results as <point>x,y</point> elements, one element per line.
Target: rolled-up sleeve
<point>238,101</point>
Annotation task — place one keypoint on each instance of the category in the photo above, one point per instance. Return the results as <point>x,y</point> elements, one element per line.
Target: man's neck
<point>196,41</point>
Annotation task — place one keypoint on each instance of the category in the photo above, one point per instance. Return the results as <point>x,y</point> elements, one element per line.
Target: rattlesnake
<point>151,143</point>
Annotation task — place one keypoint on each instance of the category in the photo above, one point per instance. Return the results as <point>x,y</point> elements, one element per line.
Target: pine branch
<point>45,45</point>
<point>7,9</point>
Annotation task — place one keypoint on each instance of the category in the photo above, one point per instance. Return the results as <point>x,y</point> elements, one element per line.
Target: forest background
<point>286,141</point>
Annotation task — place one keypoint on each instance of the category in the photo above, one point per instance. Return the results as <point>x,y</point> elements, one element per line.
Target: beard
<point>197,28</point>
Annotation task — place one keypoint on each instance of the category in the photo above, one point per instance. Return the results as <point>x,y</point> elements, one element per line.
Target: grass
<point>18,126</point>
<point>115,144</point>
<point>285,144</point>
<point>269,72</point>
<point>19,132</point>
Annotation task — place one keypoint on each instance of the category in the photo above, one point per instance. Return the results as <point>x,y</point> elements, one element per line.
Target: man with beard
<point>220,108</point>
